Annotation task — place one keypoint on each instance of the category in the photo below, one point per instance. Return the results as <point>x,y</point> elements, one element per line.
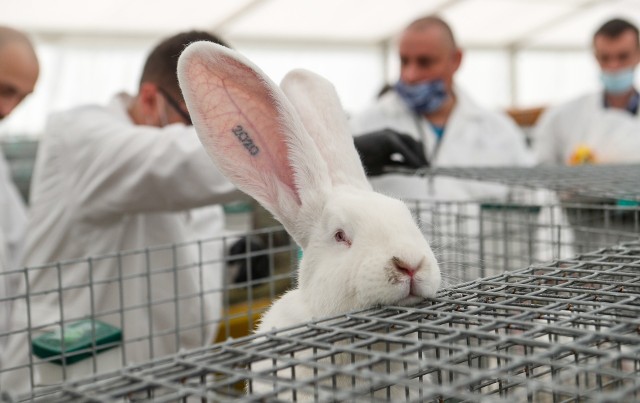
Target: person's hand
<point>378,149</point>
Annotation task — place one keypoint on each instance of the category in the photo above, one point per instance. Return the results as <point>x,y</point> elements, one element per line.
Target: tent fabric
<point>518,53</point>
<point>478,23</point>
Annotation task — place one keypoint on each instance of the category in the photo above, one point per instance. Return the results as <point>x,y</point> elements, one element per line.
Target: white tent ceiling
<point>519,53</point>
<point>512,24</point>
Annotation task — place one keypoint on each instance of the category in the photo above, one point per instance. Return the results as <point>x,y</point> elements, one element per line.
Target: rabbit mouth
<point>410,299</point>
<point>413,288</point>
<point>409,286</point>
<point>413,293</point>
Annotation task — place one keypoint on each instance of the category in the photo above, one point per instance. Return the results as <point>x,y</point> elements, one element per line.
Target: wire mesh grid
<point>479,239</point>
<point>591,181</point>
<point>567,331</point>
<point>161,300</point>
<point>470,239</point>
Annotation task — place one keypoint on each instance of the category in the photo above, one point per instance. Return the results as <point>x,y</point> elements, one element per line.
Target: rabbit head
<point>294,154</point>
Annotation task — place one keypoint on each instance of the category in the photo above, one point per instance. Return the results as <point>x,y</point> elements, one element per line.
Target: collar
<point>632,105</point>
<point>119,105</point>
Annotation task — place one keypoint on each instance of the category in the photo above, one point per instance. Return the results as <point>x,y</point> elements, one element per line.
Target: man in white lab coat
<point>450,127</point>
<point>124,177</point>
<point>19,70</point>
<point>601,127</point>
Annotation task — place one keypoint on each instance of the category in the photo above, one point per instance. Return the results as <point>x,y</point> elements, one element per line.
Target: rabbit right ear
<point>254,135</point>
<point>319,107</point>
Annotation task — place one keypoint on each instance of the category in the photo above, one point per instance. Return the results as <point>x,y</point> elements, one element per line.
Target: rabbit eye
<point>340,236</point>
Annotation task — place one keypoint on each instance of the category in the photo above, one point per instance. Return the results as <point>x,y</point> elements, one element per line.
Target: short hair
<point>430,20</point>
<point>161,65</point>
<point>616,27</point>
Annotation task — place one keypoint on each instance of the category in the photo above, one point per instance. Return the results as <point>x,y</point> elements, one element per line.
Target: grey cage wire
<point>565,331</point>
<point>472,240</point>
<point>528,215</point>
<point>620,181</point>
<point>216,309</point>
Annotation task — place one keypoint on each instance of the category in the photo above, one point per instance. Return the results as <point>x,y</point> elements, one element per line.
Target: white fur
<point>308,174</point>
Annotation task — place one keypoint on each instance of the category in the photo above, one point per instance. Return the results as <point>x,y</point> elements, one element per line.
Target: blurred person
<point>447,127</point>
<point>19,70</point>
<point>600,127</point>
<point>125,177</point>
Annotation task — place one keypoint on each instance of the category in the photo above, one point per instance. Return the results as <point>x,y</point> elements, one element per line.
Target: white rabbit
<point>295,155</point>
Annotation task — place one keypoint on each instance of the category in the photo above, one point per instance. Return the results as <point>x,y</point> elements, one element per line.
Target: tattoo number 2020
<point>245,139</point>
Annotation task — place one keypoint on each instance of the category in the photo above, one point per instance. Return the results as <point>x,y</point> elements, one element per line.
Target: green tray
<point>78,342</point>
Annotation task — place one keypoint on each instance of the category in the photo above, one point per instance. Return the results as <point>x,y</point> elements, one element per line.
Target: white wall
<point>75,72</point>
<point>79,71</point>
<point>549,77</point>
<point>355,71</point>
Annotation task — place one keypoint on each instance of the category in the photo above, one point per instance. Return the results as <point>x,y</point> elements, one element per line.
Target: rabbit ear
<point>253,134</point>
<point>318,105</point>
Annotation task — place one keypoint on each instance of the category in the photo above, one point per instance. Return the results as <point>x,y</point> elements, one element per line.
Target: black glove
<point>376,149</point>
<point>248,252</point>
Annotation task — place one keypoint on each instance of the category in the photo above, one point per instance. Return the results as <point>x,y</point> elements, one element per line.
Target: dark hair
<point>616,27</point>
<point>430,20</point>
<point>162,63</point>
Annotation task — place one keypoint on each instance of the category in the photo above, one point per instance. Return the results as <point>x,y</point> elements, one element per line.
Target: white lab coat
<point>613,135</point>
<point>101,185</point>
<point>13,222</point>
<point>473,136</point>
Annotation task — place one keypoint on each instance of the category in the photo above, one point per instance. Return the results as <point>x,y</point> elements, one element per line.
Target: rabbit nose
<point>404,267</point>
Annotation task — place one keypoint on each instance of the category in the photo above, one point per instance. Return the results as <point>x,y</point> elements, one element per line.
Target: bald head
<point>436,24</point>
<point>19,69</point>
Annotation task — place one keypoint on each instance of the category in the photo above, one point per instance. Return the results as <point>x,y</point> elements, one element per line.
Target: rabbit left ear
<point>317,102</point>
<point>254,135</point>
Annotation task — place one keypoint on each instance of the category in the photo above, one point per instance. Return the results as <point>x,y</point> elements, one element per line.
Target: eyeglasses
<point>176,106</point>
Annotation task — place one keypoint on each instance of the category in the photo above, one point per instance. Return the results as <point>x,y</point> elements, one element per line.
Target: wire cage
<point>162,299</point>
<point>593,182</point>
<point>473,240</point>
<point>478,243</point>
<point>568,331</point>
<point>526,215</point>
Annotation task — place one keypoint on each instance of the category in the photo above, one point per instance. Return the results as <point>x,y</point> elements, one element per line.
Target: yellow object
<point>582,155</point>
<point>242,319</point>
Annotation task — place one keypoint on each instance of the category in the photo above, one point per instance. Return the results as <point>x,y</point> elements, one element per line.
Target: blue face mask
<point>425,97</point>
<point>617,82</point>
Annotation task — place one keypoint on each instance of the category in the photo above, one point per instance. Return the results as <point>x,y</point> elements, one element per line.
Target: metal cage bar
<point>565,331</point>
<point>591,181</point>
<point>215,308</point>
<point>472,240</point>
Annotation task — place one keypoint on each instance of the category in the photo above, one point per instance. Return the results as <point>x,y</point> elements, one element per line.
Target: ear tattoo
<point>245,139</point>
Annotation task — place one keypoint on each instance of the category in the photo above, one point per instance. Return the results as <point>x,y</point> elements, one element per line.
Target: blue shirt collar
<point>438,130</point>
